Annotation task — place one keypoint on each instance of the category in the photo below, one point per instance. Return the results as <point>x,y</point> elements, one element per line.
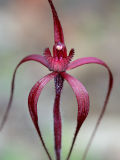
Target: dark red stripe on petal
<point>83,104</point>
<point>57,115</point>
<point>32,103</point>
<point>58,32</point>
<point>57,126</point>
<point>35,57</point>
<point>89,60</point>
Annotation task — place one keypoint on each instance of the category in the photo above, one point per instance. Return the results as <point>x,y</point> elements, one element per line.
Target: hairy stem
<point>57,116</point>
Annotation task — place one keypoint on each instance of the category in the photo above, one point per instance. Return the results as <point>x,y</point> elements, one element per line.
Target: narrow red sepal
<point>32,103</point>
<point>35,57</point>
<point>58,32</point>
<point>89,60</point>
<point>83,104</point>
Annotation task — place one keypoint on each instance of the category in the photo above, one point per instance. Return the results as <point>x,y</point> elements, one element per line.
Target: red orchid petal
<point>83,104</point>
<point>88,60</point>
<point>32,103</point>
<point>58,32</point>
<point>35,57</point>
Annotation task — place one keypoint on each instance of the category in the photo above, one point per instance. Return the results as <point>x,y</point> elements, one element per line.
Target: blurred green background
<point>92,27</point>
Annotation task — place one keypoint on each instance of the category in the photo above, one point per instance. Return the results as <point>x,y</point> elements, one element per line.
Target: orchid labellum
<point>59,63</point>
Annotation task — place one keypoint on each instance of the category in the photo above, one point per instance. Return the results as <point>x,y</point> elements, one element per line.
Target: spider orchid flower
<point>58,64</point>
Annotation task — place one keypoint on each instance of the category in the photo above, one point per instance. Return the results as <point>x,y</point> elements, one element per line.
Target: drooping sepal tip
<point>83,104</point>
<point>94,60</point>
<point>33,57</point>
<point>32,104</point>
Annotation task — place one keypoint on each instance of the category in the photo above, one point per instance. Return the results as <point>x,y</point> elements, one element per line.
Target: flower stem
<point>57,116</point>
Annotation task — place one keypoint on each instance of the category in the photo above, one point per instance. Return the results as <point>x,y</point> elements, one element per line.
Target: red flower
<point>59,63</point>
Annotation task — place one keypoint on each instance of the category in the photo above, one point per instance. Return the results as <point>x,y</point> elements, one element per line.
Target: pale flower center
<point>59,47</point>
